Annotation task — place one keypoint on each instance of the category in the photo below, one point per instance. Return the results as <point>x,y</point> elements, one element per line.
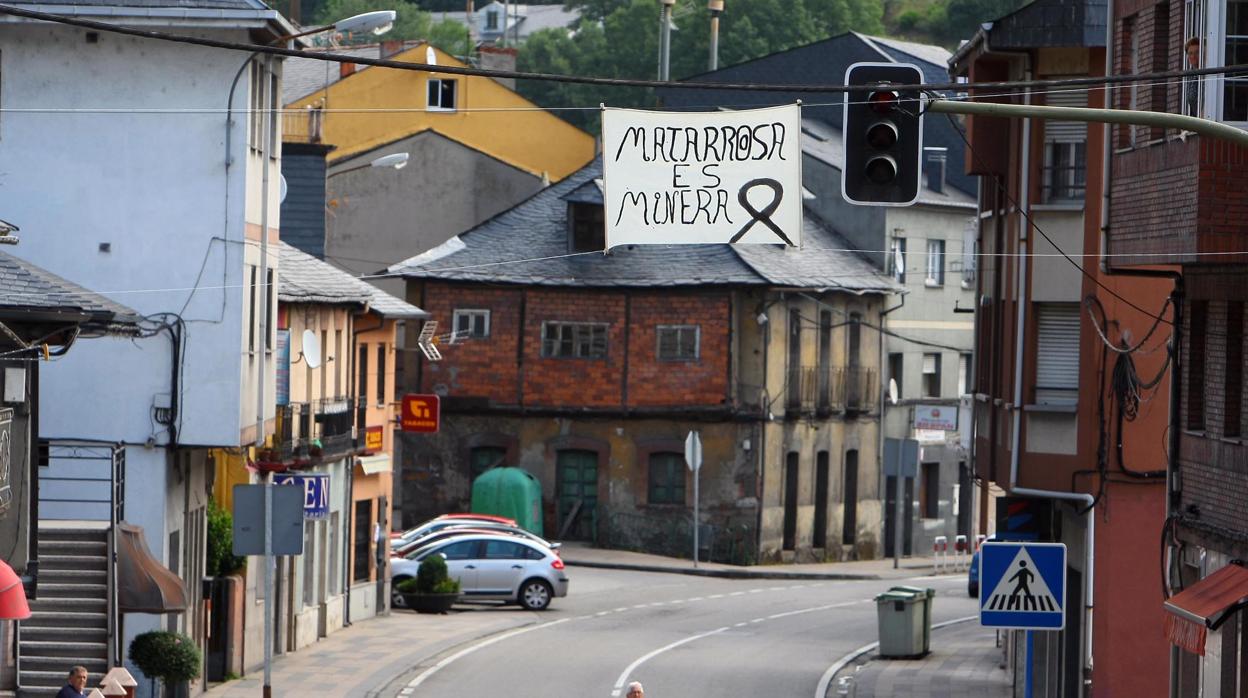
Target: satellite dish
<point>311,349</point>
<point>282,197</point>
<point>892,391</point>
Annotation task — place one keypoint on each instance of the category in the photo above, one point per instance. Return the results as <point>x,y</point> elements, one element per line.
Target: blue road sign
<point>1022,585</point>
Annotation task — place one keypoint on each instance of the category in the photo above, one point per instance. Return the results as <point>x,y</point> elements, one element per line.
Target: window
<point>1064,176</point>
<point>309,563</point>
<point>324,367</point>
<point>849,523</point>
<point>667,478</point>
<point>794,387</point>
<point>482,458</point>
<point>964,374</point>
<point>491,20</point>
<point>931,375</point>
<point>334,571</point>
<point>1233,406</point>
<point>362,372</point>
<point>463,550</point>
<point>471,324</point>
<point>503,550</point>
<point>678,342</point>
<point>362,538</point>
<point>931,490</point>
<point>381,375</point>
<point>821,500</point>
<point>935,263</point>
<point>1057,353</point>
<point>896,368</point>
<point>574,340</point>
<point>441,95</point>
<point>255,312</point>
<point>825,360</point>
<point>1193,94</point>
<point>587,227</point>
<point>897,260</point>
<point>1199,320</point>
<point>255,121</point>
<point>970,255</point>
<point>337,373</point>
<point>270,301</point>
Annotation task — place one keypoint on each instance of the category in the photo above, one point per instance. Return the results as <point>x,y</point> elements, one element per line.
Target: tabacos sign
<point>421,413</point>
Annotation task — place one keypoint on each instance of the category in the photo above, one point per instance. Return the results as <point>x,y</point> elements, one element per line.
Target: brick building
<point>1072,376</point>
<point>1180,196</point>
<point>589,370</point>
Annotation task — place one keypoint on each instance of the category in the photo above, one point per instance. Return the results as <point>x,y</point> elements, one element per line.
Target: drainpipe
<point>879,451</point>
<point>1020,335</point>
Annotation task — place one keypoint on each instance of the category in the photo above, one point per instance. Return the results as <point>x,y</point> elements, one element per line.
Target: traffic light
<point>882,136</point>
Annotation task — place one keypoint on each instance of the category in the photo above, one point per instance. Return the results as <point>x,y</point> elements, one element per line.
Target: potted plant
<point>171,657</point>
<point>432,591</point>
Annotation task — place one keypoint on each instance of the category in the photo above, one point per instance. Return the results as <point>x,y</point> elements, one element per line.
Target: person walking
<point>77,685</point>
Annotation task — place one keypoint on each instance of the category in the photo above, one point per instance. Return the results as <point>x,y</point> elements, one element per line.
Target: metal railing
<point>1062,183</point>
<point>828,390</point>
<point>294,432</point>
<point>335,418</point>
<point>306,126</point>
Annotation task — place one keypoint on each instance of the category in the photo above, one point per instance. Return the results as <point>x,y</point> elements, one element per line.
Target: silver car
<point>495,567</point>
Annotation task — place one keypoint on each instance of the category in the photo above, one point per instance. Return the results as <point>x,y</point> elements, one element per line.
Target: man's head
<point>78,678</point>
<point>635,690</point>
<point>1192,48</point>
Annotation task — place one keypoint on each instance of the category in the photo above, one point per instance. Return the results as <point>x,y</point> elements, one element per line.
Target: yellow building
<point>515,131</point>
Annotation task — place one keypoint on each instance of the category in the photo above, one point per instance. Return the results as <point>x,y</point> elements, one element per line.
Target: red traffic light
<point>883,102</point>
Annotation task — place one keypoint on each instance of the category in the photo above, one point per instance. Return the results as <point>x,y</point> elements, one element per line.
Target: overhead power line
<point>609,82</point>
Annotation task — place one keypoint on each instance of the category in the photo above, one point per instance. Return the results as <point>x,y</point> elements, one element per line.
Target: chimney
<point>495,58</point>
<point>389,48</point>
<point>345,70</point>
<point>934,167</point>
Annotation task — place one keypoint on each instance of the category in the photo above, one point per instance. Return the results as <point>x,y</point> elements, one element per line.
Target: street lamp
<point>716,8</point>
<point>665,39</point>
<point>378,23</point>
<point>394,160</point>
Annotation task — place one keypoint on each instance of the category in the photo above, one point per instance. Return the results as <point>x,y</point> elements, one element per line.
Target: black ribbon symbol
<point>763,216</point>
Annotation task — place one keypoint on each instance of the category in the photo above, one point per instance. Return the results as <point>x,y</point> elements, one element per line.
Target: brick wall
<point>508,368</point>
<point>704,381</point>
<point>1153,209</point>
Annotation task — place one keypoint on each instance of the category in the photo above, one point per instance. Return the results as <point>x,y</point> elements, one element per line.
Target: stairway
<point>69,621</point>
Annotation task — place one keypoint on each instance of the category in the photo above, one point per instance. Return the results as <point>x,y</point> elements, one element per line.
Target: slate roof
<point>536,231</point>
<point>180,4</point>
<point>27,287</point>
<point>302,278</point>
<point>303,76</point>
<point>1040,24</point>
<point>823,143</point>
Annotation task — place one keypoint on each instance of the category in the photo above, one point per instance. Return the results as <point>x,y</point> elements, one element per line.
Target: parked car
<point>972,573</point>
<point>401,549</point>
<point>492,566</point>
<point>445,521</point>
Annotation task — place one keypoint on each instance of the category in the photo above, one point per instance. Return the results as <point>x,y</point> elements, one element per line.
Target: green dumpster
<point>928,596</point>
<point>901,623</point>
<point>509,492</point>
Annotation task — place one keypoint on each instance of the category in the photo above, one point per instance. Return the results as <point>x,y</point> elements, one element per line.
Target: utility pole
<point>717,8</point>
<point>665,40</point>
<point>262,313</point>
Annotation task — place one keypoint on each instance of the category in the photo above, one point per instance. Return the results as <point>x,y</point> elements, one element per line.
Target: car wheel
<point>396,599</point>
<point>972,590</point>
<point>535,595</point>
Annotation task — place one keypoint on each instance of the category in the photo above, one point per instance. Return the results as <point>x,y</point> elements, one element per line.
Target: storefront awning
<point>1204,606</point>
<point>371,465</point>
<point>13,604</point>
<point>143,584</point>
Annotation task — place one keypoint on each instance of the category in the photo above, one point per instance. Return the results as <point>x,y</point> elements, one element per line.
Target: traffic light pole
<point>1205,127</point>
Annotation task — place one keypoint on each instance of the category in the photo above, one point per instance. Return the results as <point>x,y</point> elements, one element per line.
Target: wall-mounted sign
<point>315,492</point>
<point>421,413</point>
<point>703,177</point>
<point>936,417</point>
<point>373,438</point>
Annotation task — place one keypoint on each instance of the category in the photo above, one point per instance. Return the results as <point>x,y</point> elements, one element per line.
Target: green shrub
<point>432,578</point>
<point>170,657</point>
<point>221,558</point>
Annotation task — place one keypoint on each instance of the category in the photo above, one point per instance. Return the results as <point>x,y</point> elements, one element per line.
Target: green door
<point>577,494</point>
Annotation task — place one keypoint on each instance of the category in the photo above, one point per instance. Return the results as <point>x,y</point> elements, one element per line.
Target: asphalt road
<point>679,635</point>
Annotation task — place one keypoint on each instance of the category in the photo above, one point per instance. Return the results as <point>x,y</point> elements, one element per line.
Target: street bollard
<point>111,687</point>
<point>940,550</point>
<point>122,676</point>
<point>845,686</point>
<point>961,556</point>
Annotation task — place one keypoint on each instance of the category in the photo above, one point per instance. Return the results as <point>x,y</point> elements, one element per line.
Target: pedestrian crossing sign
<point>1022,586</point>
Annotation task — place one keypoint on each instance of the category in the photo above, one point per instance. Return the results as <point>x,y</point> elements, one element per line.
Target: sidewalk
<point>965,663</point>
<point>583,555</point>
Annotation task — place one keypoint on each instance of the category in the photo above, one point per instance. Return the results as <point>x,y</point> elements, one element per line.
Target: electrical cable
<point>1027,216</point>
<point>612,82</point>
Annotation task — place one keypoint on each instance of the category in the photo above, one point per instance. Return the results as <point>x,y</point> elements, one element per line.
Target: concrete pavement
<point>965,662</point>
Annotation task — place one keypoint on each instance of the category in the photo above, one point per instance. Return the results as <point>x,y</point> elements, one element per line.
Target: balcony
<point>825,391</point>
<point>335,426</point>
<point>304,126</point>
<point>310,433</point>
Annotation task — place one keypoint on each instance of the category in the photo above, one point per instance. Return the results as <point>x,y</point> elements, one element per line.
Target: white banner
<point>936,417</point>
<point>703,177</point>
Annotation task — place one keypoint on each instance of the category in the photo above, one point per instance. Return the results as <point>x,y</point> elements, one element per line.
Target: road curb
<point>825,681</point>
<point>724,574</point>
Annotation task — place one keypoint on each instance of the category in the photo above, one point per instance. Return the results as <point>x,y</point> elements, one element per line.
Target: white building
<point>120,163</point>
